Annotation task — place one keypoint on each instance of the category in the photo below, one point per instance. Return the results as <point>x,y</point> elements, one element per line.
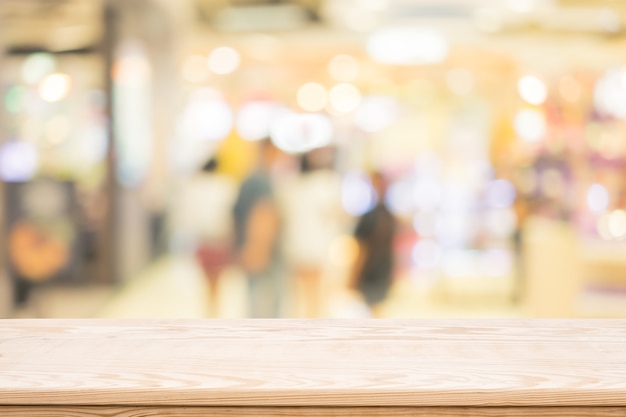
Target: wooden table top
<point>313,362</point>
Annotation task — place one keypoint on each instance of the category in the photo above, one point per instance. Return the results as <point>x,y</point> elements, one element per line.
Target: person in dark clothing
<point>374,233</point>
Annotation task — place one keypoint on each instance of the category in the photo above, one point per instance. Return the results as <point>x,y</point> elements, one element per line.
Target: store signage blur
<point>53,26</point>
<point>261,18</point>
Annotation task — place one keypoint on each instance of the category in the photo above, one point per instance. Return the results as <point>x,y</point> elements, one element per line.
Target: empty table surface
<point>313,363</point>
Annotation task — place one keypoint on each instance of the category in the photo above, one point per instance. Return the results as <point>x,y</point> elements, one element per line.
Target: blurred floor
<point>174,287</point>
<point>64,301</point>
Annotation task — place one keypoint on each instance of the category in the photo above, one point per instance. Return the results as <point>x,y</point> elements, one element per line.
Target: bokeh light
<point>55,87</point>
<point>312,97</point>
<point>427,194</point>
<point>454,229</point>
<point>530,125</point>
<point>301,132</point>
<point>398,197</point>
<point>37,66</point>
<point>255,119</point>
<point>617,224</point>
<point>207,117</point>
<point>458,197</point>
<point>610,93</point>
<point>15,99</point>
<point>532,90</point>
<point>597,198</point>
<point>345,98</point>
<point>224,60</point>
<point>18,161</point>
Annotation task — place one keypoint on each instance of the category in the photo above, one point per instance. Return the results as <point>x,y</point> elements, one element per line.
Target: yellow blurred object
<point>237,157</point>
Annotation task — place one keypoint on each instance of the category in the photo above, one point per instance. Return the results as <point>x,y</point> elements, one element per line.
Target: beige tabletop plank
<point>103,411</point>
<point>313,362</point>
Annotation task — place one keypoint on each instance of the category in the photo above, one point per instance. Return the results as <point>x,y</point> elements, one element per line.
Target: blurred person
<point>521,212</point>
<point>374,232</point>
<point>257,229</point>
<point>203,215</point>
<point>313,220</point>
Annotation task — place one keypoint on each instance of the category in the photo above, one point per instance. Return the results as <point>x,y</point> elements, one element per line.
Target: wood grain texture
<point>313,362</point>
<point>102,411</point>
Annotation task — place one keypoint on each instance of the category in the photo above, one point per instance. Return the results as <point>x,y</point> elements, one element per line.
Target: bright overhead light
<point>407,46</point>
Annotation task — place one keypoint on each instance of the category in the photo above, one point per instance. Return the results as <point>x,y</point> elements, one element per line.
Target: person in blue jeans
<point>257,230</point>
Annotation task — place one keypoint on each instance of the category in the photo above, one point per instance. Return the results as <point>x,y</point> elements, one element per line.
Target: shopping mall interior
<point>312,158</point>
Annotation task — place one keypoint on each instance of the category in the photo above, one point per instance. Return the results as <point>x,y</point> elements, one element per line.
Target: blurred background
<point>313,158</point>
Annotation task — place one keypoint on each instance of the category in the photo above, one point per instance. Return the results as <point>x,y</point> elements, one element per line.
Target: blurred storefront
<point>54,145</point>
<point>84,118</point>
<point>499,124</point>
